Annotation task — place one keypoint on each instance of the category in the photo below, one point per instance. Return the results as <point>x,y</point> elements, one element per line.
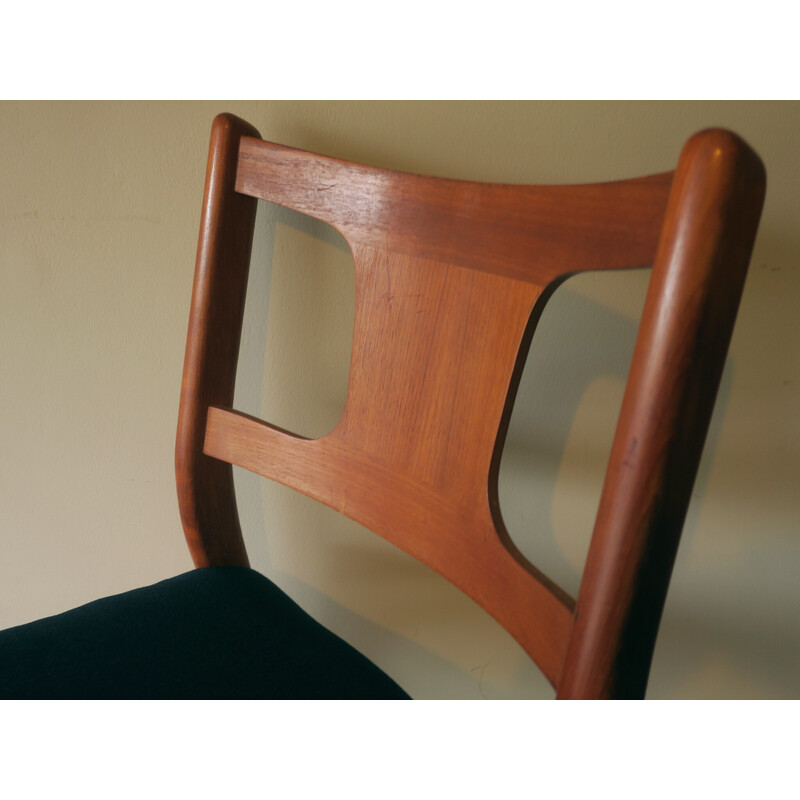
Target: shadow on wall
<point>755,658</point>
<point>563,424</point>
<point>293,372</point>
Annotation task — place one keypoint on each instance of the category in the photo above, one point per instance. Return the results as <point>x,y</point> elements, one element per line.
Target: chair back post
<point>205,485</point>
<point>696,284</point>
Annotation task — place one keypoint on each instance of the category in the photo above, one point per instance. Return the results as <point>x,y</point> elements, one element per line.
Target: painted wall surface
<point>99,212</point>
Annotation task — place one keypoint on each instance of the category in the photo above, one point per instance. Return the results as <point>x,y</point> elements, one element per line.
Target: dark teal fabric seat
<point>214,633</point>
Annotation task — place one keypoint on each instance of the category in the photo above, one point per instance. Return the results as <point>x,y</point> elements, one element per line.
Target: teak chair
<point>451,277</point>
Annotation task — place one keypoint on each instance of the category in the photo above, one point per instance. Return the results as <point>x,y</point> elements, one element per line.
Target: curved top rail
<point>530,233</point>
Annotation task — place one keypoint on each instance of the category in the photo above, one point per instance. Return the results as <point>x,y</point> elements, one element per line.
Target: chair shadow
<point>578,341</point>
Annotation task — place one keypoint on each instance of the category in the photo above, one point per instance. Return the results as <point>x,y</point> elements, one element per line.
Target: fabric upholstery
<point>214,633</point>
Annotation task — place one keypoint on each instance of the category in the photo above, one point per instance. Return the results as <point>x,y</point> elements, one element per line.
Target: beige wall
<point>98,218</point>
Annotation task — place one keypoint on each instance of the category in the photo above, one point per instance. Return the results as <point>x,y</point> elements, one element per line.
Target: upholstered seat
<point>221,632</point>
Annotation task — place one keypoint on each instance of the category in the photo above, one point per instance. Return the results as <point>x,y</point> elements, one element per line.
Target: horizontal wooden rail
<point>530,233</point>
<point>412,515</point>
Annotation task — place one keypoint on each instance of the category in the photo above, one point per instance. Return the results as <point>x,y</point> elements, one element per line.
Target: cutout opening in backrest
<point>564,417</point>
<point>294,360</point>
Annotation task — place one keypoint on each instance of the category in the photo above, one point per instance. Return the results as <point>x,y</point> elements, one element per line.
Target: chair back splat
<point>451,277</point>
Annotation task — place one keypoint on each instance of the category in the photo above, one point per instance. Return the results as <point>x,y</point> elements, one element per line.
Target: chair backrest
<point>451,277</point>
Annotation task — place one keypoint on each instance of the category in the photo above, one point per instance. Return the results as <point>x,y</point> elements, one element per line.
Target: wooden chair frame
<point>451,277</point>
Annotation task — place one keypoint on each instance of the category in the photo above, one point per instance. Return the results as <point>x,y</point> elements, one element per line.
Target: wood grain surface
<point>451,277</point>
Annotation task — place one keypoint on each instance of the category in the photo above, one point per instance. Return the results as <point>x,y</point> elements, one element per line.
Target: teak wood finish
<point>451,277</point>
